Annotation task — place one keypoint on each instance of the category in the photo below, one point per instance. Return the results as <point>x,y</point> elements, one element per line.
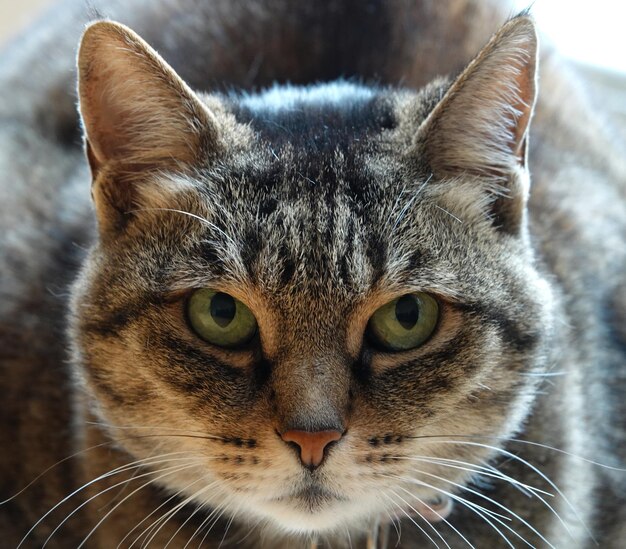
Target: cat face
<point>314,215</point>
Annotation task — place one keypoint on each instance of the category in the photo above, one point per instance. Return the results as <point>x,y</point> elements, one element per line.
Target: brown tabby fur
<point>314,216</point>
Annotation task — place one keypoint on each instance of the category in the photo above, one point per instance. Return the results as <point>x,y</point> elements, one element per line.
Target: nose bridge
<point>311,371</point>
<point>311,393</point>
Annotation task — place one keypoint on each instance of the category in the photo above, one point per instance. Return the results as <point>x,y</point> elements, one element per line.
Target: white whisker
<point>190,517</point>
<point>151,481</point>
<point>543,374</point>
<point>399,507</point>
<point>494,502</point>
<point>428,523</point>
<point>161,431</point>
<point>251,529</point>
<point>162,521</point>
<point>117,470</point>
<point>409,203</point>
<point>201,526</point>
<point>163,504</point>
<point>541,474</point>
<point>482,512</point>
<point>349,538</point>
<point>448,213</point>
<point>61,461</point>
<point>478,469</point>
<point>215,521</point>
<point>439,515</point>
<point>203,220</point>
<point>171,470</point>
<point>490,500</point>
<point>228,525</point>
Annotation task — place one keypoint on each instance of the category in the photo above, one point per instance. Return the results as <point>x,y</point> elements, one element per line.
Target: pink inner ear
<point>102,118</point>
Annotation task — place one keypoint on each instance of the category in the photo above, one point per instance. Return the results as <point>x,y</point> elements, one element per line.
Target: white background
<point>591,31</point>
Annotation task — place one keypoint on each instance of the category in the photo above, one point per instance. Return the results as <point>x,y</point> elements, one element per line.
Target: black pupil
<point>407,311</point>
<point>223,309</point>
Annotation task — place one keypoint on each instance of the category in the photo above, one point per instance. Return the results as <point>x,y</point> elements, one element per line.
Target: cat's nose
<point>311,444</point>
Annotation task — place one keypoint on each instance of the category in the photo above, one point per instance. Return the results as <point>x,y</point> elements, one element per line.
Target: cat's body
<point>328,204</point>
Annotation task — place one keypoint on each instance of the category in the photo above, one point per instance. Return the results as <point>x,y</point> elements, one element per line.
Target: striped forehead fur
<point>286,198</point>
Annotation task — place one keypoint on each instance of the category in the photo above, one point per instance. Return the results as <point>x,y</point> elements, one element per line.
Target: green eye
<point>220,319</point>
<point>404,323</point>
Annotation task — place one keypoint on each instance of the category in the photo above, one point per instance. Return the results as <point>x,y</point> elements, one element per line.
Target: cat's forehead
<point>323,196</point>
<point>300,223</point>
<point>313,145</point>
<point>334,224</point>
<point>317,119</point>
<point>305,193</point>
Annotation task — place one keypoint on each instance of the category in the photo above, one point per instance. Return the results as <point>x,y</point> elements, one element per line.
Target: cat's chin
<point>301,515</point>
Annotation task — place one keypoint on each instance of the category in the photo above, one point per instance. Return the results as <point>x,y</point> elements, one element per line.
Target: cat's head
<point>303,302</point>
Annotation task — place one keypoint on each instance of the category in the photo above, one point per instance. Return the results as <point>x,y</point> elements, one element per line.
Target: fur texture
<point>314,205</point>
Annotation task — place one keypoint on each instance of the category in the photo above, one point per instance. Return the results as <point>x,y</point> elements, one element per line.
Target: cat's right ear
<point>479,128</point>
<point>138,116</point>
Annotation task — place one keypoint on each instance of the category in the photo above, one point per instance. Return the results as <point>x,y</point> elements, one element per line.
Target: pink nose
<point>311,444</point>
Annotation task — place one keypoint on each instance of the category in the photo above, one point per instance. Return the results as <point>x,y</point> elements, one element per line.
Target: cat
<point>332,299</point>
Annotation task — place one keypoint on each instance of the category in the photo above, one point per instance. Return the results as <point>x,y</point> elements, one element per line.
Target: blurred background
<point>14,16</point>
<point>590,32</point>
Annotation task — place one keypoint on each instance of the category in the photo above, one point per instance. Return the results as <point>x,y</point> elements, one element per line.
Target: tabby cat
<point>317,302</point>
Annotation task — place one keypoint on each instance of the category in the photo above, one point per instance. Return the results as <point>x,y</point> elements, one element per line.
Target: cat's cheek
<point>111,375</point>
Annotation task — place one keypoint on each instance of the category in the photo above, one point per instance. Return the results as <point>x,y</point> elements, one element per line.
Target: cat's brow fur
<point>368,176</point>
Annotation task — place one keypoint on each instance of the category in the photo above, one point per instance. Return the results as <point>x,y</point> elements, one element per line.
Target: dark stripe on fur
<point>195,372</point>
<point>521,339</point>
<point>110,323</point>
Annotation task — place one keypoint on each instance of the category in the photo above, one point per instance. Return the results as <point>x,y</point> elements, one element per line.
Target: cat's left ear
<point>139,118</point>
<point>480,126</point>
<point>136,110</point>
